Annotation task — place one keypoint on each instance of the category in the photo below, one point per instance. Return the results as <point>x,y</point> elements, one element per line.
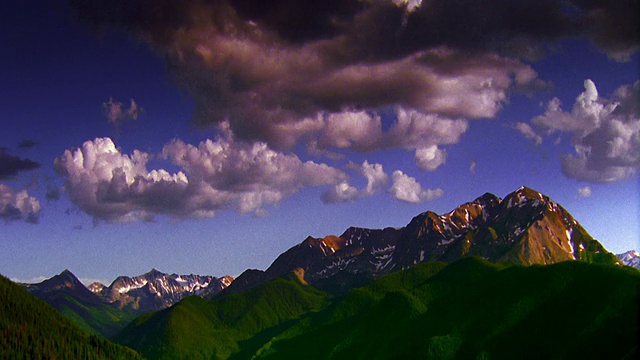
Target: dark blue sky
<point>257,131</point>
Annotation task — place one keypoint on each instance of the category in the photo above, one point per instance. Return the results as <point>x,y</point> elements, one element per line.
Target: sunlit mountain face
<point>213,136</point>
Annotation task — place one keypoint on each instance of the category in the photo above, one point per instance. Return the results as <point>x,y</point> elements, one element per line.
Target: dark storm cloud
<point>11,165</point>
<point>276,69</point>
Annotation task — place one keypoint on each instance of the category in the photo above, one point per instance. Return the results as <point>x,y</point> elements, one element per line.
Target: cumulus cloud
<point>328,76</point>
<point>430,158</point>
<point>215,175</point>
<point>377,180</point>
<point>11,165</point>
<point>363,131</point>
<point>116,187</point>
<point>605,133</point>
<point>342,192</point>
<point>407,189</point>
<point>250,175</point>
<point>584,191</point>
<point>18,205</point>
<point>273,75</point>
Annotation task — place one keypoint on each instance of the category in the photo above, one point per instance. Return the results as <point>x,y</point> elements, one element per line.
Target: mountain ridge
<point>526,227</point>
<point>105,310</point>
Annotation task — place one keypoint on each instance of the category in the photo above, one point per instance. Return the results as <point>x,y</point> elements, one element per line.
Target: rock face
<point>526,227</point>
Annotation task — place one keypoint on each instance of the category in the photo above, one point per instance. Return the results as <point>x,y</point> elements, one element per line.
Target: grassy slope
<point>474,309</point>
<point>31,329</point>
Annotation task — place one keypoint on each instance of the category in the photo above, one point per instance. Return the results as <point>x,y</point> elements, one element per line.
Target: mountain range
<point>156,290</point>
<point>464,284</point>
<point>107,309</point>
<point>32,329</point>
<point>526,227</point>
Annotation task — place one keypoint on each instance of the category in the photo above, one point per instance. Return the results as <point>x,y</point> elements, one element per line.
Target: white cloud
<point>407,189</point>
<point>584,191</point>
<point>18,205</point>
<point>247,176</point>
<point>605,133</point>
<point>430,158</point>
<point>116,187</point>
<point>342,192</point>
<point>362,131</point>
<point>528,132</point>
<point>377,179</point>
<point>215,175</point>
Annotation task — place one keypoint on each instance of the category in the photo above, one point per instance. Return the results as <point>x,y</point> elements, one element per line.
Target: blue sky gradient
<point>58,71</point>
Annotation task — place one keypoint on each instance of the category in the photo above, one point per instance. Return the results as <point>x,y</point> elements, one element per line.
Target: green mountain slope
<point>31,329</point>
<point>69,296</point>
<point>196,328</point>
<point>99,319</point>
<point>472,309</point>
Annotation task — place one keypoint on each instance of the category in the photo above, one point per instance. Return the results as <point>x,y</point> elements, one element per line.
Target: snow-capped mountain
<point>526,227</point>
<point>630,258</point>
<point>156,290</point>
<point>148,292</point>
<point>113,307</point>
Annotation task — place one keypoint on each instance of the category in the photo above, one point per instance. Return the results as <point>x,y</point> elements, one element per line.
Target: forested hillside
<point>31,329</point>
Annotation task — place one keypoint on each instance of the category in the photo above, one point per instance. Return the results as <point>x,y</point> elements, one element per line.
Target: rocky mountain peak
<point>630,258</point>
<point>65,279</point>
<point>153,274</point>
<point>97,288</point>
<point>156,290</point>
<point>526,227</point>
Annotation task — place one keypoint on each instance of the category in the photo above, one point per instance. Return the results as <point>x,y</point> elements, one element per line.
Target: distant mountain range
<point>156,290</point>
<point>455,285</point>
<point>107,309</point>
<point>32,329</point>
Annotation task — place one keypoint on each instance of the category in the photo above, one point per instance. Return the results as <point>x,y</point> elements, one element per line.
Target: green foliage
<point>474,309</point>
<point>471,309</point>
<point>196,328</point>
<point>99,319</point>
<point>31,329</point>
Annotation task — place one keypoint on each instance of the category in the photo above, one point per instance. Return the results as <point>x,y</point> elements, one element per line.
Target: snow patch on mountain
<point>630,258</point>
